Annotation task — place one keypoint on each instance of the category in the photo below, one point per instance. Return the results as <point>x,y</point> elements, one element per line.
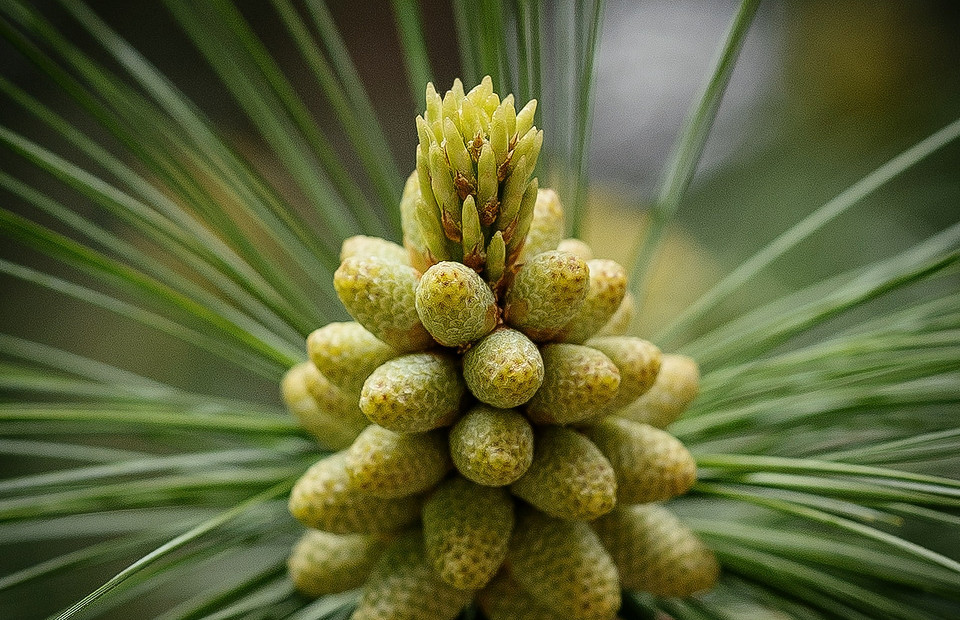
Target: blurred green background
<point>826,91</point>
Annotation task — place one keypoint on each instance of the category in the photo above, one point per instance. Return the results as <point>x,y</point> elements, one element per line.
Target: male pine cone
<point>499,436</point>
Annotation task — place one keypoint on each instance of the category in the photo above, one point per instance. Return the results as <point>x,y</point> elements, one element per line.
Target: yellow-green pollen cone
<point>491,446</point>
<point>498,432</point>
<point>403,586</point>
<point>505,369</point>
<point>655,552</point>
<point>325,498</point>
<point>564,565</point>
<point>346,354</point>
<point>333,422</point>
<point>323,563</point>
<point>455,304</point>
<point>467,531</point>
<point>569,477</point>
<point>414,393</point>
<point>382,463</point>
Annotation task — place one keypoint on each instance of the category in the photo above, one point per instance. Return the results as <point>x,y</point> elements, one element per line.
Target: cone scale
<point>499,435</point>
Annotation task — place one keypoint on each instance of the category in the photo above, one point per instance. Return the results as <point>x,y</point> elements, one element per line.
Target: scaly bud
<point>380,296</point>
<point>546,293</point>
<point>496,259</point>
<point>488,190</point>
<point>492,447</point>
<point>474,250</point>
<point>323,563</point>
<point>518,232</point>
<point>638,362</point>
<point>525,117</point>
<point>382,463</point>
<point>500,134</point>
<point>655,552</point>
<point>479,93</point>
<point>569,478</point>
<point>414,393</point>
<point>578,382</point>
<point>470,151</point>
<point>510,115</point>
<point>528,146</point>
<point>431,231</point>
<point>677,384</point>
<point>346,354</point>
<point>445,192</point>
<point>325,498</point>
<point>510,198</point>
<point>413,240</point>
<point>403,586</point>
<point>434,113</point>
<point>608,285</point>
<point>651,465</point>
<point>473,120</point>
<point>564,566</point>
<point>425,135</point>
<point>423,170</point>
<point>455,304</point>
<point>457,90</point>
<point>451,105</point>
<point>491,104</point>
<point>467,528</point>
<point>458,158</point>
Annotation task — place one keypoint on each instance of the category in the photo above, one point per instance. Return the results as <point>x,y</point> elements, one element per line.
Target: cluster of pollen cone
<point>500,438</point>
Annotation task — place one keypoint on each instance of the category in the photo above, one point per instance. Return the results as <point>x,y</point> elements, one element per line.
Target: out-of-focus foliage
<point>177,178</point>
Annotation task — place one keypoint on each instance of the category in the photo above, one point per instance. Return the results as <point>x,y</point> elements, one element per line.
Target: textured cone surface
<point>619,323</point>
<point>577,383</point>
<point>546,293</point>
<point>651,465</point>
<point>332,418</point>
<point>382,463</point>
<point>577,247</point>
<point>608,285</point>
<point>346,354</point>
<point>490,446</point>
<point>504,599</point>
<point>323,563</point>
<point>677,384</point>
<point>414,393</point>
<point>569,477</point>
<point>638,362</point>
<point>403,586</point>
<point>546,228</point>
<point>362,246</point>
<point>324,498</point>
<point>380,294</point>
<point>564,566</point>
<point>455,304</point>
<point>467,529</point>
<point>504,369</point>
<point>655,552</point>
